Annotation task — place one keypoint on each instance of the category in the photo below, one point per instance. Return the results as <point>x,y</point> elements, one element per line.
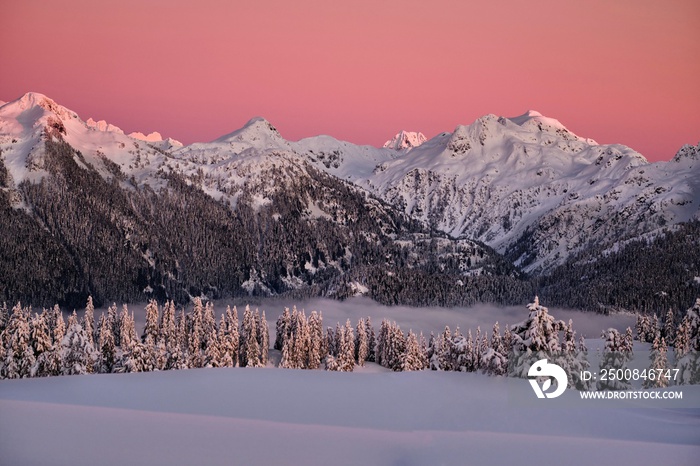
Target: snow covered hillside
<point>526,186</point>
<point>519,194</point>
<point>536,192</point>
<point>277,416</point>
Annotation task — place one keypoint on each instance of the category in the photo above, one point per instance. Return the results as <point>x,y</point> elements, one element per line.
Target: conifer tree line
<point>46,344</point>
<point>683,336</point>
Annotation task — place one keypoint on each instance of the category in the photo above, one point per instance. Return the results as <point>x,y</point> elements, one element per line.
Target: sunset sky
<point>624,71</point>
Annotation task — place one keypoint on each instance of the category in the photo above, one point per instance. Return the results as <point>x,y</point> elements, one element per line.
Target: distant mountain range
<point>493,211</point>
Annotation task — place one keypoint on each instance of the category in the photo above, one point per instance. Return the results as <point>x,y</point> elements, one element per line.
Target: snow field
<point>266,416</point>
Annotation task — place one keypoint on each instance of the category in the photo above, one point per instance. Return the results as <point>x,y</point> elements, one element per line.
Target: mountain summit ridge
<point>526,186</point>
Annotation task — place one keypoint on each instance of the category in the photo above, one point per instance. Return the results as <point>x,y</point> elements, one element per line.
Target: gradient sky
<point>625,71</point>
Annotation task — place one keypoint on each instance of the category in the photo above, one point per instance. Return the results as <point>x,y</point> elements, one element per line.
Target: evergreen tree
<point>423,351</point>
<point>249,347</point>
<point>19,354</point>
<point>208,324</point>
<point>286,362</point>
<point>447,352</point>
<point>464,353</point>
<point>264,338</point>
<point>197,326</point>
<point>178,356</point>
<point>39,334</point>
<point>194,343</point>
<point>458,352</point>
<point>381,351</point>
<point>669,331</point>
<point>59,328</point>
<point>628,343</point>
<point>396,347</point>
<point>168,342</point>
<point>107,359</point>
<point>161,356</point>
<point>346,352</point>
<point>656,375</point>
<point>682,338</point>
<point>507,341</point>
<point>4,316</point>
<point>535,338</point>
<point>496,339</point>
<point>338,341</point>
<point>412,359</point>
<point>434,347</point>
<point>688,347</point>
<point>480,346</point>
<point>212,354</point>
<point>654,329</point>
<point>361,342</point>
<point>573,357</point>
<point>315,340</point>
<point>150,353</point>
<point>300,340</point>
<point>494,361</point>
<point>693,317</point>
<point>151,327</point>
<point>88,321</point>
<point>77,353</point>
<point>72,319</point>
<point>614,358</point>
<point>115,323</point>
<point>48,357</point>
<point>225,341</point>
<point>136,358</point>
<point>371,340</point>
<point>3,355</point>
<point>330,342</point>
<point>583,365</point>
<point>127,330</point>
<point>641,327</point>
<point>331,363</point>
<point>167,330</point>
<point>232,326</point>
<point>282,327</point>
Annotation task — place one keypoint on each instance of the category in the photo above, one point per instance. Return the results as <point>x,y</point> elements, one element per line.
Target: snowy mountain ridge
<point>248,213</point>
<point>526,186</point>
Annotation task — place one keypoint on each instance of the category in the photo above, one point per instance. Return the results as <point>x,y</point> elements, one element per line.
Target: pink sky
<point>624,71</point>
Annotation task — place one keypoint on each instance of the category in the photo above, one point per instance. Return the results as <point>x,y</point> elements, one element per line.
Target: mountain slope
<point>535,191</point>
<point>453,219</point>
<point>125,219</point>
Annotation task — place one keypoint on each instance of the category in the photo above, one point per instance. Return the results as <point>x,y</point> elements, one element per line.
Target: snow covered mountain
<point>405,140</point>
<point>526,186</point>
<point>535,191</point>
<point>248,213</point>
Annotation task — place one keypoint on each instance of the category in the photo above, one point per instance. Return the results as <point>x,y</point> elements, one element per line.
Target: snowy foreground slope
<point>277,416</point>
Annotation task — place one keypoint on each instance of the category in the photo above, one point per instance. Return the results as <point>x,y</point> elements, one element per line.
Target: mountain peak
<point>36,100</point>
<point>257,128</point>
<point>155,136</point>
<point>538,118</point>
<point>687,152</point>
<point>534,121</point>
<point>405,140</point>
<point>102,125</point>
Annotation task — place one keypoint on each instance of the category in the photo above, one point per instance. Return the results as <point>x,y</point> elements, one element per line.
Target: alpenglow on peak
<point>405,140</point>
